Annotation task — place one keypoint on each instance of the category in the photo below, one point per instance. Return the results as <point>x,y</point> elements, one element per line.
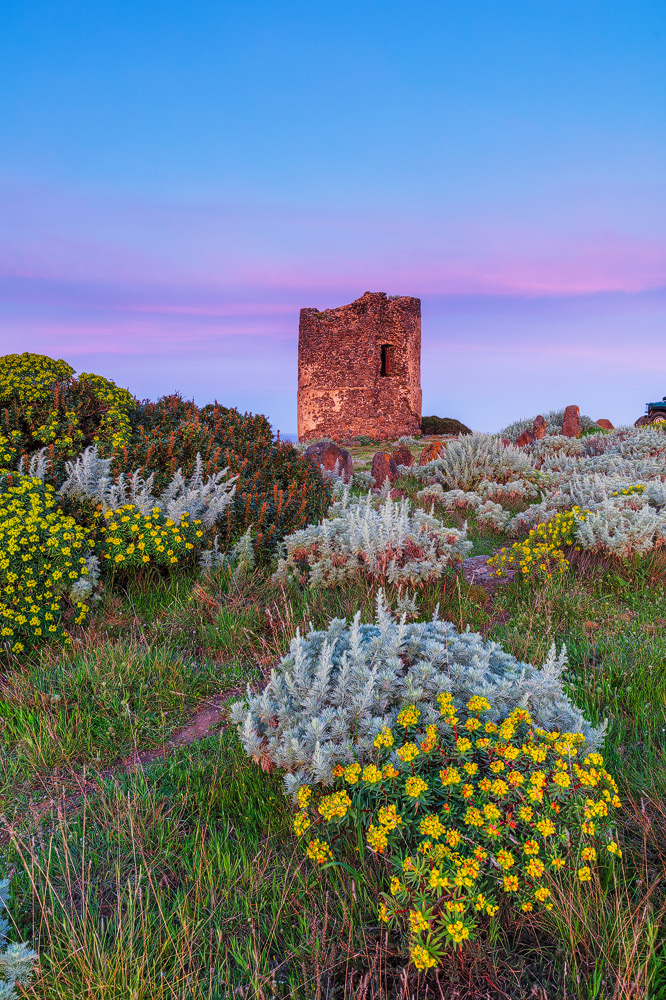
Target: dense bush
<point>277,490</point>
<point>443,425</point>
<point>336,689</point>
<point>129,539</point>
<point>17,961</point>
<point>629,522</point>
<point>378,540</point>
<point>473,815</point>
<point>49,415</point>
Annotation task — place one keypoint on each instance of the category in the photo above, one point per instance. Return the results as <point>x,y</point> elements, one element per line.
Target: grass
<point>183,879</point>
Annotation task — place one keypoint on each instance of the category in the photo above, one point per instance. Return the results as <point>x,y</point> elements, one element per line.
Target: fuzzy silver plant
<point>621,530</point>
<point>240,556</point>
<point>449,499</point>
<point>17,961</point>
<point>492,515</point>
<point>336,688</point>
<point>37,466</point>
<point>514,489</point>
<point>371,536</point>
<point>468,460</point>
<point>206,499</point>
<point>86,585</point>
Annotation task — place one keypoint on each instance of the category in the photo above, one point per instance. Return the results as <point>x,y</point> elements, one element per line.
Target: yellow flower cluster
<point>30,378</point>
<point>384,738</point>
<point>128,538</point>
<point>388,819</point>
<point>407,752</point>
<point>335,805</point>
<point>541,553</point>
<point>319,851</point>
<point>630,491</point>
<point>42,554</point>
<point>421,957</point>
<point>301,823</point>
<point>483,815</point>
<point>8,450</point>
<point>408,716</point>
<point>55,408</point>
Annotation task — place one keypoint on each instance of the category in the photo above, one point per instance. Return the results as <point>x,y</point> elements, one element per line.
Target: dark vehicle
<point>654,412</point>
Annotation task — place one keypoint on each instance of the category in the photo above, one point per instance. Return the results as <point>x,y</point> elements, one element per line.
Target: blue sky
<point>177,179</point>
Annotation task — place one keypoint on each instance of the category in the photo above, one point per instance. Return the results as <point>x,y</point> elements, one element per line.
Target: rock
<point>525,438</point>
<point>571,422</point>
<point>430,453</point>
<point>506,442</point>
<point>402,455</point>
<point>606,424</point>
<point>539,428</point>
<point>383,468</point>
<point>326,454</point>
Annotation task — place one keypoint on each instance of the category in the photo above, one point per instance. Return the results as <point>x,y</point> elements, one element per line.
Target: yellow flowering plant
<point>128,539</point>
<point>43,555</point>
<point>542,553</point>
<point>45,405</point>
<point>471,820</point>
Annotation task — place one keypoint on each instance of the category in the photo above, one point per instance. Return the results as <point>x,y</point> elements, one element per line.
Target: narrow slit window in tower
<point>387,359</point>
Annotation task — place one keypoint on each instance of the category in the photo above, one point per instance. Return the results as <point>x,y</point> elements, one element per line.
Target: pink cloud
<point>166,256</point>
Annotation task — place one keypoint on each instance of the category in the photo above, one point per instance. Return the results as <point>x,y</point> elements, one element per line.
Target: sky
<point>178,179</point>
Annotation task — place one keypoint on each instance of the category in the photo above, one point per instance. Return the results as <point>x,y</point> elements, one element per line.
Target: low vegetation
<point>264,734</point>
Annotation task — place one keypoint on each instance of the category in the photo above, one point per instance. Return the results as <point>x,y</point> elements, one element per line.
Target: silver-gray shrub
<point>17,961</point>
<point>336,688</point>
<point>473,458</point>
<point>372,537</point>
<point>621,530</point>
<point>90,475</point>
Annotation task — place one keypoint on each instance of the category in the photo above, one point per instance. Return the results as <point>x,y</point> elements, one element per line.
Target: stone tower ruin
<point>359,369</point>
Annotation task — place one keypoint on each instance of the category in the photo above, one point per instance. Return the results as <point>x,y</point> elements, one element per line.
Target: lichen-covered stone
<point>430,453</point>
<point>571,422</point>
<point>403,456</point>
<point>525,438</point>
<point>331,457</point>
<point>539,428</point>
<point>383,468</point>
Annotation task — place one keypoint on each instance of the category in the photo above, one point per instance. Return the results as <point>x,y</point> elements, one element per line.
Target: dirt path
<point>207,717</point>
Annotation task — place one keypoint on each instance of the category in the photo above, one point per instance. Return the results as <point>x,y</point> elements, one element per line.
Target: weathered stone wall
<point>341,389</point>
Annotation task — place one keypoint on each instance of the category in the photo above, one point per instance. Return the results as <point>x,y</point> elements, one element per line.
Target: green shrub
<point>443,425</point>
<point>45,407</point>
<point>473,818</point>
